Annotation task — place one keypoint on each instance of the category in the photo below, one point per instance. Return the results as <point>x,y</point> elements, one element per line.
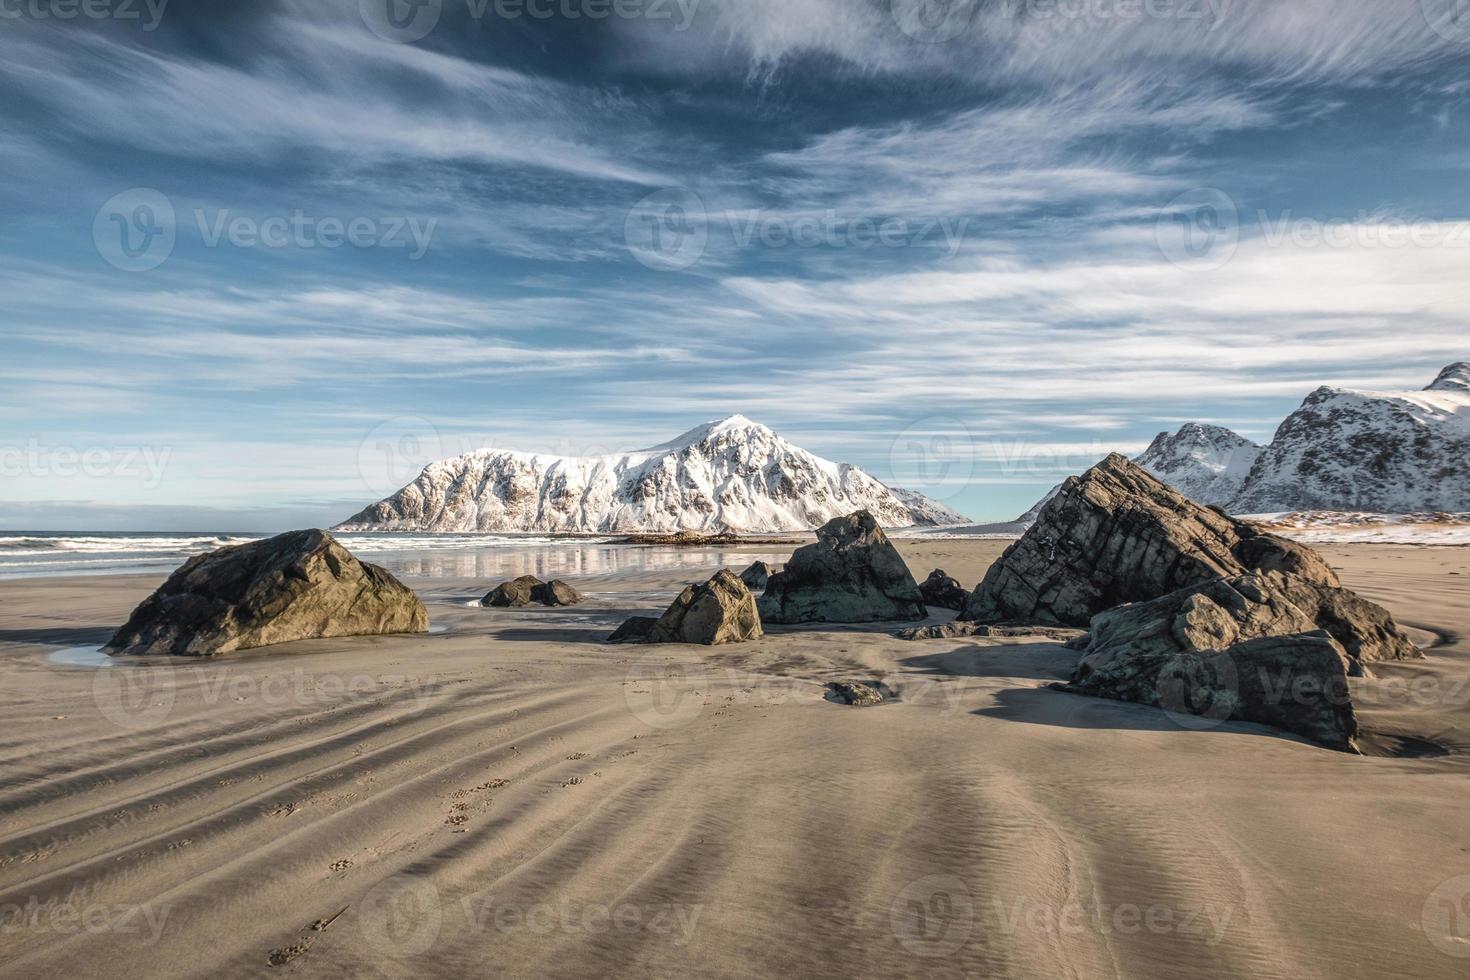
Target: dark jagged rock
<point>853,574</point>
<point>1118,535</point>
<point>757,576</point>
<point>1297,683</point>
<point>298,586</point>
<point>718,612</point>
<point>857,695</point>
<point>943,592</point>
<point>556,593</point>
<point>514,594</point>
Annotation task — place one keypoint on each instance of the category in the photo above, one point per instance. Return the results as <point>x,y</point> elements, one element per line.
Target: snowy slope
<point>928,512</point>
<point>733,475</point>
<point>1204,462</point>
<point>1380,452</point>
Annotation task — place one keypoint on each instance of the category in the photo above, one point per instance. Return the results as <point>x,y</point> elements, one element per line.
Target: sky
<point>259,263</point>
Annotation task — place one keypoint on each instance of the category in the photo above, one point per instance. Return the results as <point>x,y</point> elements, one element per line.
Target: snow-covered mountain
<point>1206,463</point>
<point>928,512</point>
<point>1381,452</point>
<point>734,475</point>
<point>1396,452</point>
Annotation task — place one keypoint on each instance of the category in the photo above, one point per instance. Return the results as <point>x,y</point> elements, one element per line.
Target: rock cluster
<point>528,590</point>
<point>1190,610</point>
<point>718,612</point>
<point>853,574</point>
<point>298,586</point>
<point>942,591</point>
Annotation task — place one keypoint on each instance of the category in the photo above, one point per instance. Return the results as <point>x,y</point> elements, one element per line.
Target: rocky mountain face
<point>1206,463</point>
<point>734,475</point>
<point>1382,452</point>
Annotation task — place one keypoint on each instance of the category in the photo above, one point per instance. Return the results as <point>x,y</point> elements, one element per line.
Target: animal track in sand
<point>342,865</point>
<point>578,757</point>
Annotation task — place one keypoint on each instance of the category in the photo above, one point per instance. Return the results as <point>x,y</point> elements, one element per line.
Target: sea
<point>38,555</point>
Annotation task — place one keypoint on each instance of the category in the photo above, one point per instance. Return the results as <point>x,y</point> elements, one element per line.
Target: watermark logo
<point>143,923</point>
<point>666,695</point>
<point>1199,231</point>
<point>933,917</point>
<point>401,21</point>
<point>935,456</point>
<point>396,452</point>
<point>305,231</point>
<point>1446,918</point>
<point>668,230</point>
<point>934,21</point>
<point>402,916</point>
<point>136,231</point>
<point>135,698</point>
<point>1450,19</point>
<point>145,464</point>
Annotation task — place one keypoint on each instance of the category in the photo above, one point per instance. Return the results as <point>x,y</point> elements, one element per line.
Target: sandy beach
<point>508,796</point>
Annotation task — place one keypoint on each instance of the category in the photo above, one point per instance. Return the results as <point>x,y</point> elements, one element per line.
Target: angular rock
<point>853,574</point>
<point>757,576</point>
<point>718,612</point>
<point>514,594</point>
<point>1297,683</point>
<point>857,695</point>
<point>298,586</point>
<point>556,593</point>
<point>941,591</point>
<point>1117,535</point>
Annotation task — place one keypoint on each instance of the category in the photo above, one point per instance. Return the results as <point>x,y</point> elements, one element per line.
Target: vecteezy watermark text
<point>407,21</point>
<point>148,11</point>
<point>65,919</point>
<point>33,459</point>
<point>301,230</point>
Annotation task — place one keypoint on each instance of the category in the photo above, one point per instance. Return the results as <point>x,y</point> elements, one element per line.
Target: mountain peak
<point>1456,377</point>
<point>701,433</point>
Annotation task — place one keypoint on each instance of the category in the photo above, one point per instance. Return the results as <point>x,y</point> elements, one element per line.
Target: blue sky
<point>969,246</point>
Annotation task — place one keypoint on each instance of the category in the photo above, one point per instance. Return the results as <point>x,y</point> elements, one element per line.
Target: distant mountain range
<point>1395,452</point>
<point>729,476</point>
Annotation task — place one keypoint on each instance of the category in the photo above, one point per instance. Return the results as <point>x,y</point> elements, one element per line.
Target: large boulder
<point>1297,683</point>
<point>1267,647</point>
<point>514,594</point>
<point>1225,612</point>
<point>718,612</point>
<point>942,591</point>
<point>853,574</point>
<point>298,586</point>
<point>1117,535</point>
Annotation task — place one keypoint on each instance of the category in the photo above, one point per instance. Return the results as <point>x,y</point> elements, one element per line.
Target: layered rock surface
<point>853,574</point>
<point>1118,535</point>
<point>942,591</point>
<point>298,586</point>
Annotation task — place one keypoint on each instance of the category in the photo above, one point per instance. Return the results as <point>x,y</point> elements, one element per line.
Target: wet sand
<point>512,798</point>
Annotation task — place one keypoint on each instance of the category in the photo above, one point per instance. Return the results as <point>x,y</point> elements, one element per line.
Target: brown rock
<point>514,594</point>
<point>720,611</point>
<point>857,695</point>
<point>556,593</point>
<point>757,576</point>
<point>298,586</point>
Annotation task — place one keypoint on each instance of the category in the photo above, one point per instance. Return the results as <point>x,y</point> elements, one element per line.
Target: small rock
<point>556,593</point>
<point>942,591</point>
<point>857,695</point>
<point>718,612</point>
<point>514,594</point>
<point>757,576</point>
